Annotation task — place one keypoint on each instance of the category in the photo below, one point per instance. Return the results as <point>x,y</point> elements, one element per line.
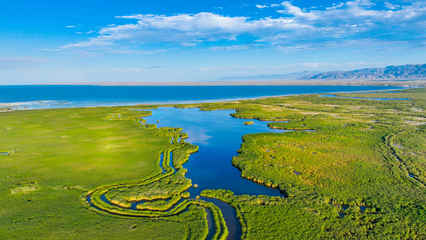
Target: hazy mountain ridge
<point>390,73</point>
<point>401,72</point>
<point>290,76</point>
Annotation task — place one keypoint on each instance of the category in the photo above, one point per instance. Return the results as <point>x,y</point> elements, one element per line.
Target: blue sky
<point>155,41</point>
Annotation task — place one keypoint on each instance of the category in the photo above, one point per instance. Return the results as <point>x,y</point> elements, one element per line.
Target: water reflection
<point>198,136</point>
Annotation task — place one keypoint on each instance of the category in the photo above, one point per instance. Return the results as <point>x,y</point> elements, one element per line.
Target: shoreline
<point>272,82</point>
<point>186,102</point>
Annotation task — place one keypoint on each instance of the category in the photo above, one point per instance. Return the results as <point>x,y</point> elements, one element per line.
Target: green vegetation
<point>162,195</point>
<point>359,174</point>
<point>4,109</point>
<point>58,156</point>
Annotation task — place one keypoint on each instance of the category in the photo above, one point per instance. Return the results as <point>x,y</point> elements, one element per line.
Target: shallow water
<point>231,219</point>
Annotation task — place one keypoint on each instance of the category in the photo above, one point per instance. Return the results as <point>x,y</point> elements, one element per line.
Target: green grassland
<point>160,195</point>
<point>57,156</point>
<point>359,173</point>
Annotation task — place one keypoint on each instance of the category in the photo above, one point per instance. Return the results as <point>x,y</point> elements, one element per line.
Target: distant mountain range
<point>286,76</point>
<point>402,72</point>
<point>392,73</point>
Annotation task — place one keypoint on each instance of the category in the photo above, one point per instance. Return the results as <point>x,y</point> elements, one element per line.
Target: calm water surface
<point>35,97</point>
<point>219,136</point>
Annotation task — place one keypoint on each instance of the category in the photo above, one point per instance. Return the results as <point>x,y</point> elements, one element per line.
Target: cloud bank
<point>293,26</point>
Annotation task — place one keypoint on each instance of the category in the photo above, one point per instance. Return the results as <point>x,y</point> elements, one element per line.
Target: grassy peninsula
<point>354,168</point>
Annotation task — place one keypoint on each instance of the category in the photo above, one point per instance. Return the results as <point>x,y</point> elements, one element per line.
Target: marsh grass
<point>57,150</point>
<point>359,175</point>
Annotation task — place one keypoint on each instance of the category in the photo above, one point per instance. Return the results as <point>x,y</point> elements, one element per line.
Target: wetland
<point>306,167</point>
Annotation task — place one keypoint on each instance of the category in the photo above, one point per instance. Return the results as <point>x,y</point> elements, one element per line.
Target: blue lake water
<point>40,96</point>
<point>219,136</point>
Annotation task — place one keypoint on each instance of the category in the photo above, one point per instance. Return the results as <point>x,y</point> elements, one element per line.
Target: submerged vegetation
<point>351,168</point>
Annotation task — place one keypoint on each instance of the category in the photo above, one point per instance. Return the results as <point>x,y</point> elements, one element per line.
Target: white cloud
<point>135,69</point>
<point>230,48</point>
<point>336,6</point>
<point>357,10</point>
<point>261,6</point>
<point>70,26</point>
<point>136,52</point>
<point>187,29</point>
<point>93,42</point>
<point>391,6</point>
<point>298,12</point>
<point>189,44</point>
<point>296,26</point>
<point>360,8</point>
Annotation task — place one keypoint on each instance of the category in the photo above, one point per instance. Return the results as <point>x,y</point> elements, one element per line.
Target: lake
<point>64,96</point>
<point>219,136</point>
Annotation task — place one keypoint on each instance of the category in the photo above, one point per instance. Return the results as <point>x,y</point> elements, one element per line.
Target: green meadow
<point>57,156</point>
<point>351,169</point>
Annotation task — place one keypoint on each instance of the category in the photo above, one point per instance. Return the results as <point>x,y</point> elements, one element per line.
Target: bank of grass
<point>159,196</point>
<point>415,154</point>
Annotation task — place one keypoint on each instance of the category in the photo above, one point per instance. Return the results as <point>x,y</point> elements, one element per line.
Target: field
<point>351,168</point>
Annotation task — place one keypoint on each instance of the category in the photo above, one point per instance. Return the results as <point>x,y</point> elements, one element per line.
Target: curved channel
<point>98,199</point>
<point>218,136</point>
